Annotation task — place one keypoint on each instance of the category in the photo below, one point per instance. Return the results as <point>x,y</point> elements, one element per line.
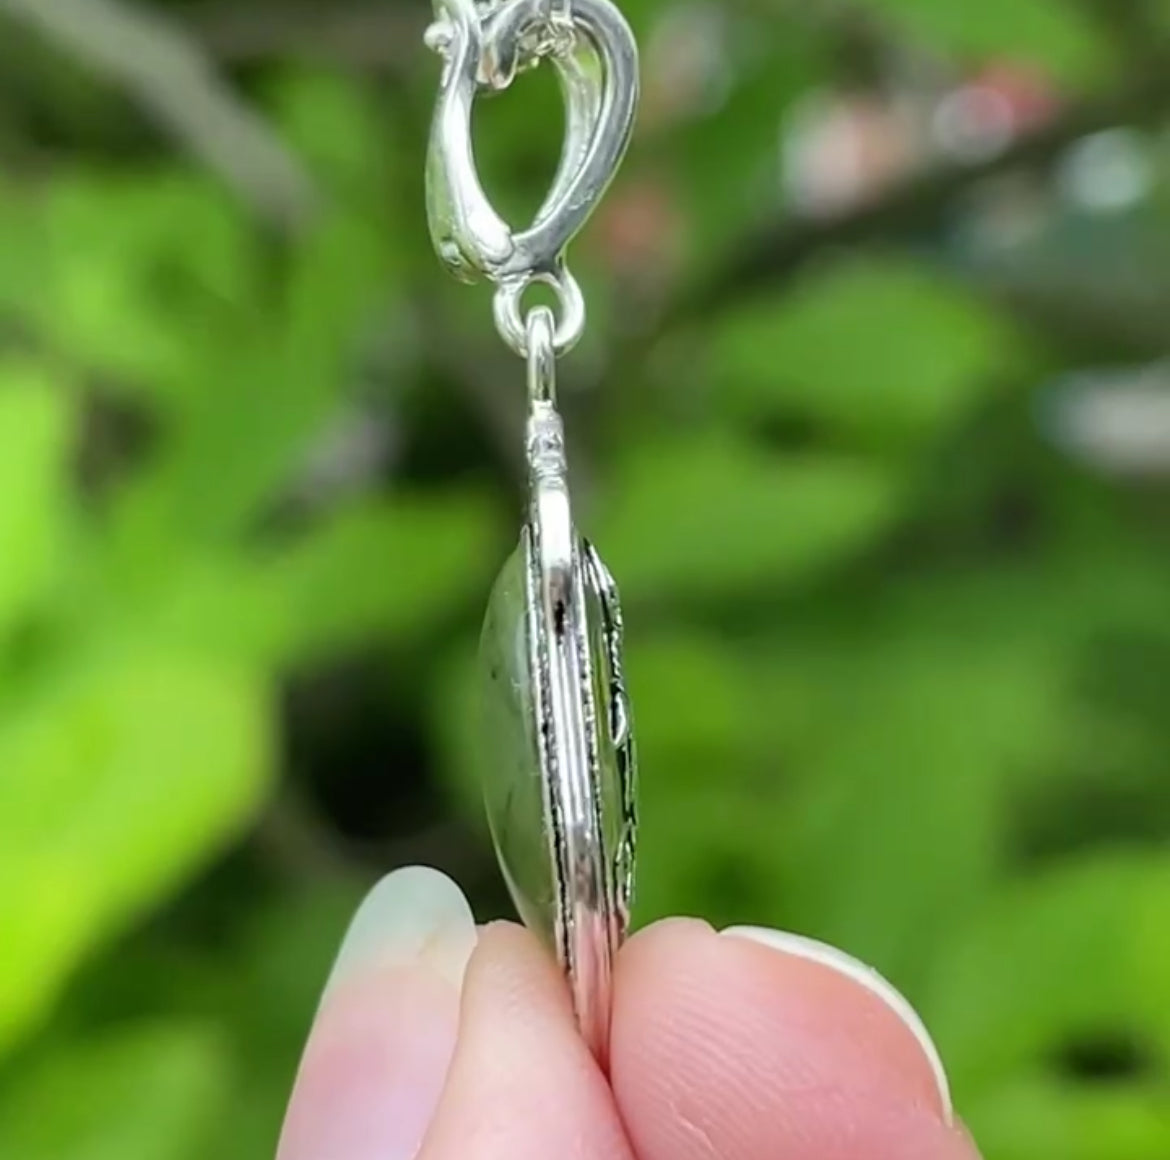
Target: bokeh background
<point>872,424</point>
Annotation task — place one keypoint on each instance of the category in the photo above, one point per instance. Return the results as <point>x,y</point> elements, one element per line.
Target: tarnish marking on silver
<point>621,728</point>
<point>590,722</point>
<point>546,445</point>
<point>539,661</point>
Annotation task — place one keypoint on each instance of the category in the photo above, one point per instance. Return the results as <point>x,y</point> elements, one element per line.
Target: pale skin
<point>722,1049</point>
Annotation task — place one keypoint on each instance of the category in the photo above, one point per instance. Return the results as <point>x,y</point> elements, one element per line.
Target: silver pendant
<point>558,750</point>
<point>561,798</point>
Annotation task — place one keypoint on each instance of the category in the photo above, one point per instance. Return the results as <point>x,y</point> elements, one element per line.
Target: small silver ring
<point>510,322</point>
<point>542,355</point>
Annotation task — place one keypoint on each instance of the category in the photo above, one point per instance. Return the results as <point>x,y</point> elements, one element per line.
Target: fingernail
<point>414,917</point>
<point>857,971</point>
<point>378,1053</point>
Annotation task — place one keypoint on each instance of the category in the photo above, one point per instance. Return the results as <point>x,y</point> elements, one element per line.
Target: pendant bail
<point>485,45</point>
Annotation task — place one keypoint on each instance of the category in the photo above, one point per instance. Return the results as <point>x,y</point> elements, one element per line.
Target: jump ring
<point>511,325</point>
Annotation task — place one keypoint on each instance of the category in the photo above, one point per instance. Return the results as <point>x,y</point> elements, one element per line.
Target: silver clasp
<point>485,45</point>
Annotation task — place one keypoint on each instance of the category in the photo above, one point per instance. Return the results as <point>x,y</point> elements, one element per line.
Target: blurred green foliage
<point>899,666</point>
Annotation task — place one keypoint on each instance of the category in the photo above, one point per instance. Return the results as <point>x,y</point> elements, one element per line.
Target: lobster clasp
<point>484,46</point>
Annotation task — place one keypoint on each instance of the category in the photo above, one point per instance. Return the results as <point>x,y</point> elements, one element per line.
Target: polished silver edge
<point>593,901</point>
<point>538,664</point>
<point>568,731</point>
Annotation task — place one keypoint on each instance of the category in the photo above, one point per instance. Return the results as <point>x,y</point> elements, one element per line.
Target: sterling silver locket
<point>558,746</point>
<point>558,753</point>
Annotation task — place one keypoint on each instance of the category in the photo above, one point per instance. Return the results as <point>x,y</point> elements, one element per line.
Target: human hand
<point>437,1042</point>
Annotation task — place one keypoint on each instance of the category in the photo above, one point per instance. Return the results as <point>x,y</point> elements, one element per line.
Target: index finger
<point>522,1085</point>
<point>435,1043</point>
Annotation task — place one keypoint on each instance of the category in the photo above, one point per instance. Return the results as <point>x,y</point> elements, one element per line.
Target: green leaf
<point>709,517</point>
<point>706,851</point>
<point>402,564</point>
<point>335,125</point>
<point>1057,37</point>
<point>454,716</point>
<point>385,569</point>
<point>1078,954</point>
<point>894,749</point>
<point>100,250</point>
<point>883,351</point>
<point>215,260</point>
<point>1042,1117</point>
<point>265,391</point>
<point>712,680</point>
<point>727,157</point>
<point>867,746</point>
<point>36,439</point>
<point>116,783</point>
<point>23,253</point>
<point>914,719</point>
<point>145,1093</point>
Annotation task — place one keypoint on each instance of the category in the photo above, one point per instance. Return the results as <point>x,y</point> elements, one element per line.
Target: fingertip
<point>378,1051</point>
<point>509,949</point>
<point>522,1083</point>
<point>866,977</point>
<point>725,1046</point>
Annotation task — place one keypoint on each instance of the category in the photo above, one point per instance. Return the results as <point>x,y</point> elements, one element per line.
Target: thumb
<point>382,1041</point>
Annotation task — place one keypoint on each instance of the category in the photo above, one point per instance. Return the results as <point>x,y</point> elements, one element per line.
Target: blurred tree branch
<point>363,34</point>
<point>176,83</point>
<point>778,251</point>
<point>292,838</point>
<point>1132,26</point>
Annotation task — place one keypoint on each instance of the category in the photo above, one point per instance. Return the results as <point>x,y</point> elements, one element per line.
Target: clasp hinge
<point>485,46</point>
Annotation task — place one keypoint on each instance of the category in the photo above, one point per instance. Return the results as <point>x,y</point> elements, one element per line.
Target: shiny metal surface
<point>558,754</point>
<point>558,757</point>
<point>484,46</point>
